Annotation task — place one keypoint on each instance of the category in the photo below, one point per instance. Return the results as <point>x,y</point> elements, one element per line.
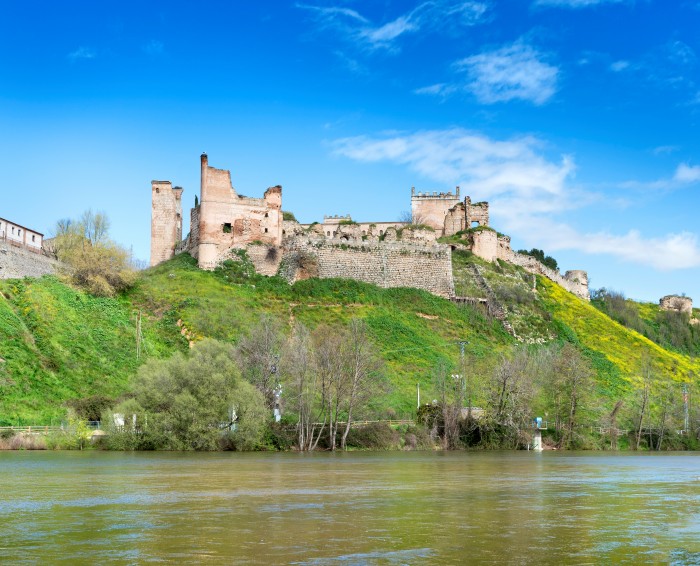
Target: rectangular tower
<point>166,220</point>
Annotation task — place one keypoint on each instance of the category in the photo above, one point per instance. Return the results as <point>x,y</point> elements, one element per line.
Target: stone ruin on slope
<point>388,254</point>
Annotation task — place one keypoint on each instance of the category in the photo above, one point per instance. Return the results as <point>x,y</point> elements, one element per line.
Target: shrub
<point>374,436</point>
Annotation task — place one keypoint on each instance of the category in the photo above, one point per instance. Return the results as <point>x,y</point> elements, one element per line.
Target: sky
<point>576,119</point>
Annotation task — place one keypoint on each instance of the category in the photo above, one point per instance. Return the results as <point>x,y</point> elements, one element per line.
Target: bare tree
<point>646,372</point>
<point>328,346</point>
<point>361,370</point>
<point>449,387</point>
<point>303,383</point>
<point>259,353</point>
<point>94,226</point>
<point>510,397</point>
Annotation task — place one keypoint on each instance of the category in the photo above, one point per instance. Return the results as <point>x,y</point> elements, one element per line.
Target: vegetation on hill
<point>539,255</point>
<point>92,261</point>
<point>669,329</point>
<point>60,345</point>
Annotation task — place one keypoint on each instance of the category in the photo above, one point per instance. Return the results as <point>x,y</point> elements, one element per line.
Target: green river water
<point>355,508</point>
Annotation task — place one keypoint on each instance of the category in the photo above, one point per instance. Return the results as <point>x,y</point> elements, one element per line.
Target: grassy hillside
<point>57,343</point>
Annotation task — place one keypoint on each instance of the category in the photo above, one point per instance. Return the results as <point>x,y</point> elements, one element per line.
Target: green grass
<point>58,344</point>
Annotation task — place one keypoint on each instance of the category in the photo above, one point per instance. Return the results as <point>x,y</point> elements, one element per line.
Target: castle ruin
<point>388,254</point>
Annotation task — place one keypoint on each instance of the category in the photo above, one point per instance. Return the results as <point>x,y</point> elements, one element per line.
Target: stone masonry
<point>222,220</point>
<point>16,263</point>
<point>166,220</point>
<point>388,254</point>
<point>386,264</point>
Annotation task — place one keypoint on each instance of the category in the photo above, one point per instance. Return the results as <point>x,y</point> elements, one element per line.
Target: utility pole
<point>686,413</point>
<point>418,391</point>
<point>468,394</point>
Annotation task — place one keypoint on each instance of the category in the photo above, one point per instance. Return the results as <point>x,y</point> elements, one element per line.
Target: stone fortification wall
<point>485,244</point>
<point>16,263</point>
<point>572,281</point>
<point>393,264</point>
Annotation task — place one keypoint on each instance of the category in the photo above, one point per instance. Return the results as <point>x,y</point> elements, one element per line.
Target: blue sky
<point>576,119</point>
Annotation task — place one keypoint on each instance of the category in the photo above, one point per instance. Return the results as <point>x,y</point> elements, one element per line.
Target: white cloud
<point>574,3</point>
<point>430,15</point>
<point>666,253</point>
<point>440,89</point>
<point>515,71</point>
<point>526,189</point>
<point>687,174</point>
<point>618,66</point>
<point>457,156</point>
<point>82,53</point>
<point>684,175</point>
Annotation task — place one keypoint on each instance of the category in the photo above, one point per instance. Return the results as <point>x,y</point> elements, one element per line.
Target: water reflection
<point>358,508</point>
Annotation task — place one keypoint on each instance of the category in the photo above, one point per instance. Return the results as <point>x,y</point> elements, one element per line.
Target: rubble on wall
<point>676,303</point>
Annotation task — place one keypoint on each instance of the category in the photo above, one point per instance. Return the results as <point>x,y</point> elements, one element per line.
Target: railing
<point>44,429</point>
<point>32,429</point>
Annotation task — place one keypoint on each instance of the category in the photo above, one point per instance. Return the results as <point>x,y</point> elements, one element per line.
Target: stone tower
<point>166,220</point>
<point>432,208</point>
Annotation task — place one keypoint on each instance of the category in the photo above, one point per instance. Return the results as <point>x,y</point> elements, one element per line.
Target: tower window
<point>227,228</point>
<point>265,230</point>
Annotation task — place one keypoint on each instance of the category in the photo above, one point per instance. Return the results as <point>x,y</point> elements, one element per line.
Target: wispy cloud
<point>515,71</point>
<point>82,53</point>
<point>153,48</point>
<point>512,172</point>
<point>431,15</point>
<point>618,66</point>
<point>665,149</point>
<point>440,89</point>
<point>684,175</point>
<point>575,3</point>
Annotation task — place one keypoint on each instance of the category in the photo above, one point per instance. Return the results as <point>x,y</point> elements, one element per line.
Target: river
<point>345,509</point>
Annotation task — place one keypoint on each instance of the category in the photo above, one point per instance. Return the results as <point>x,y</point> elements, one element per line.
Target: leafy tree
<point>189,402</point>
<point>93,261</point>
<point>547,260</point>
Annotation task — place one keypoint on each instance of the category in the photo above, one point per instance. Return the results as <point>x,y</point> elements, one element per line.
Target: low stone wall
<point>16,263</point>
<point>395,264</point>
<point>575,282</point>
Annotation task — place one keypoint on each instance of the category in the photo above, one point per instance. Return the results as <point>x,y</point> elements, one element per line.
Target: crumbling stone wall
<point>228,220</point>
<point>574,281</point>
<point>386,264</point>
<point>16,263</point>
<point>223,220</point>
<point>477,213</point>
<point>677,303</point>
<point>485,244</point>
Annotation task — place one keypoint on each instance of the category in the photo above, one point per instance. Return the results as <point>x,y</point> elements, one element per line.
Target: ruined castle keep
<point>446,213</point>
<point>388,254</point>
<point>221,220</point>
